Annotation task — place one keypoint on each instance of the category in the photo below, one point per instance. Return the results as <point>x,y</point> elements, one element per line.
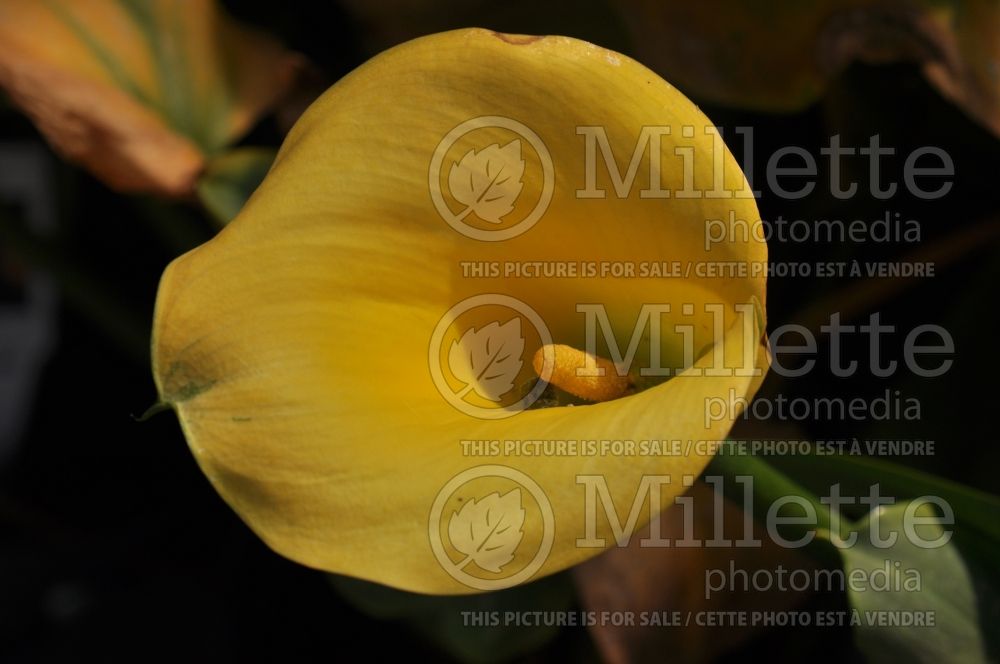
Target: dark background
<point>113,546</point>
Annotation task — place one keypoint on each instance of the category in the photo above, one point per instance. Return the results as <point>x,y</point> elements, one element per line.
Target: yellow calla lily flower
<point>325,353</point>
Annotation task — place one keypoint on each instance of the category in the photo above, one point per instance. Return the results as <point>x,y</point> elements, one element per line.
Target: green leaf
<point>769,483</point>
<point>970,555</point>
<point>945,590</point>
<point>974,510</point>
<point>230,179</point>
<point>446,620</point>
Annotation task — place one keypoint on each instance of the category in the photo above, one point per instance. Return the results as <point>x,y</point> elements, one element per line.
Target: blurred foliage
<point>780,55</point>
<point>663,580</point>
<point>945,596</point>
<point>231,178</point>
<point>139,92</point>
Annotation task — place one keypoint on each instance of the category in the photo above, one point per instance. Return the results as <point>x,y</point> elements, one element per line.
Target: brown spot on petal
<point>517,40</point>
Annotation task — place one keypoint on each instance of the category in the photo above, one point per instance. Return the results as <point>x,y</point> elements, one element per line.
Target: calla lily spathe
<point>294,346</point>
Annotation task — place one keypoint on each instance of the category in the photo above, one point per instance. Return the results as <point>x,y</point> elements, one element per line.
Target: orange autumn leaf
<point>140,93</point>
